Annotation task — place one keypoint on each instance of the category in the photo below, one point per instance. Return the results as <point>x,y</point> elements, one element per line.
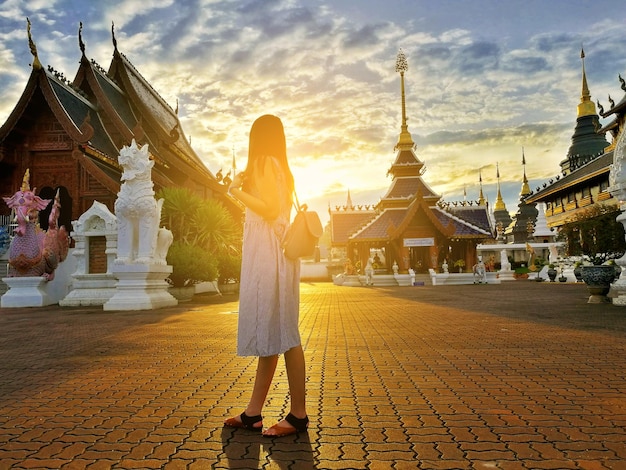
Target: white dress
<point>269,294</point>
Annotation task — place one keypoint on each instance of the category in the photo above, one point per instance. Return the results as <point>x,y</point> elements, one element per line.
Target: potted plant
<point>460,263</point>
<point>578,271</point>
<point>596,235</point>
<point>521,272</point>
<point>552,272</point>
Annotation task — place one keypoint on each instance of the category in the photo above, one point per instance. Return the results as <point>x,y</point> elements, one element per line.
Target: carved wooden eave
<point>92,168</point>
<point>84,131</point>
<point>86,73</point>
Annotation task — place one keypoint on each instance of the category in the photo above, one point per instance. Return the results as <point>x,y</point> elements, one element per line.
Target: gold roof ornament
<point>586,107</point>
<point>33,48</point>
<point>525,187</point>
<point>481,197</point>
<point>405,141</point>
<point>499,205</point>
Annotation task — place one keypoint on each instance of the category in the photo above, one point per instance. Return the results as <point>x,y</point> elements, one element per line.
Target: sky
<point>487,80</point>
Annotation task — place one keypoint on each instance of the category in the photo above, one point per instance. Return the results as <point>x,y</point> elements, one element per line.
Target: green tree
<point>205,235</point>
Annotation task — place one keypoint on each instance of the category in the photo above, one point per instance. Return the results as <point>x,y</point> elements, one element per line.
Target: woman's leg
<point>264,374</point>
<point>296,375</point>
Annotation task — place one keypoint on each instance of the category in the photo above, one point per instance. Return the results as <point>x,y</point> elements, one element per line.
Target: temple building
<point>410,226</point>
<point>68,134</point>
<point>584,175</point>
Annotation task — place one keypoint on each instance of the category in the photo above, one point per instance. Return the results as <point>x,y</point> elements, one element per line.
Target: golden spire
<point>586,106</point>
<point>481,197</point>
<point>525,188</point>
<point>405,141</point>
<point>499,205</point>
<point>33,48</point>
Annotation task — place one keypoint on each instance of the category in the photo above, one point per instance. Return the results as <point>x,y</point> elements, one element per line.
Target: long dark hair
<point>267,139</point>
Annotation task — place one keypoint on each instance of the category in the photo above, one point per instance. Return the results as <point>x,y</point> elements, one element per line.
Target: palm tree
<point>203,227</point>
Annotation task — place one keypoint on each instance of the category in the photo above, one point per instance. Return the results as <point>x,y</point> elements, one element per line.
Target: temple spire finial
<point>481,196</point>
<point>81,44</point>
<point>586,107</point>
<point>499,205</point>
<point>113,35</point>
<point>525,187</point>
<point>405,141</point>
<point>33,48</point>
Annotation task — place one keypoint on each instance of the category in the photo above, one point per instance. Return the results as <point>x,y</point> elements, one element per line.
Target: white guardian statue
<point>140,240</point>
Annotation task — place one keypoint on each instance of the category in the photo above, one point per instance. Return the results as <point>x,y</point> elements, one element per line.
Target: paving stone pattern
<point>522,375</point>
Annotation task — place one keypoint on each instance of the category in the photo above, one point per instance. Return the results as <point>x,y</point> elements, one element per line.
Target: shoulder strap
<point>296,203</point>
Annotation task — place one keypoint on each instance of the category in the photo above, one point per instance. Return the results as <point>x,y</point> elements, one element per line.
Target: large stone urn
<point>598,280</point>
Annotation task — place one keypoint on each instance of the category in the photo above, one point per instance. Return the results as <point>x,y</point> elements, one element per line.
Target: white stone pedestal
<point>506,275</point>
<point>89,289</point>
<point>141,287</point>
<point>25,292</point>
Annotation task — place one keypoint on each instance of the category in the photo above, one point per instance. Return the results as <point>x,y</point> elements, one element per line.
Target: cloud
<point>474,96</point>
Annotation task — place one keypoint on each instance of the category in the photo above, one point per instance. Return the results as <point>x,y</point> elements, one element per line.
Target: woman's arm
<point>267,204</point>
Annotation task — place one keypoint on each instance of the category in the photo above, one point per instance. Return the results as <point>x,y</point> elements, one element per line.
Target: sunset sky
<point>485,79</point>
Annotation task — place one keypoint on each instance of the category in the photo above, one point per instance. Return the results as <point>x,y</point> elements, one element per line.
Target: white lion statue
<point>139,240</point>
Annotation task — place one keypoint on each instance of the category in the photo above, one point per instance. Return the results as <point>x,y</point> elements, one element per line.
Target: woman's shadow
<point>245,449</point>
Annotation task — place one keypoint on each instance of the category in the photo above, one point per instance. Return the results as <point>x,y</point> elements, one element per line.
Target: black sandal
<point>299,425</point>
<point>247,422</point>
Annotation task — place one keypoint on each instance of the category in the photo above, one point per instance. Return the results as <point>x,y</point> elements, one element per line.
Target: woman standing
<point>269,288</point>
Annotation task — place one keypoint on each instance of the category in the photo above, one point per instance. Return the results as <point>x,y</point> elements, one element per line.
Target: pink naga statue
<point>34,252</point>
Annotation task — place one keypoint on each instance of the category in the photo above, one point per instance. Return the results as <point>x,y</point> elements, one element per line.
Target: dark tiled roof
<point>475,215</point>
<point>117,98</point>
<point>343,224</point>
<point>77,109</point>
<point>406,156</point>
<point>403,187</point>
<point>599,165</point>
<point>378,228</point>
<point>462,228</point>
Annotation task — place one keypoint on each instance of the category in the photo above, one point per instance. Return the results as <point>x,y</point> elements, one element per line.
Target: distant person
<point>269,298</point>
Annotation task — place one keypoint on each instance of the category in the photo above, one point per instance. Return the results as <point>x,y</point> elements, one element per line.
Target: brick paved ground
<point>522,375</point>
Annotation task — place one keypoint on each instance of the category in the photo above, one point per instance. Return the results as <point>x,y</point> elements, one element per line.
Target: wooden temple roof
<point>103,111</point>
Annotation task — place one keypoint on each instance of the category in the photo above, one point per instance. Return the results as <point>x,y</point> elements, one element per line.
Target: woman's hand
<point>238,180</point>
